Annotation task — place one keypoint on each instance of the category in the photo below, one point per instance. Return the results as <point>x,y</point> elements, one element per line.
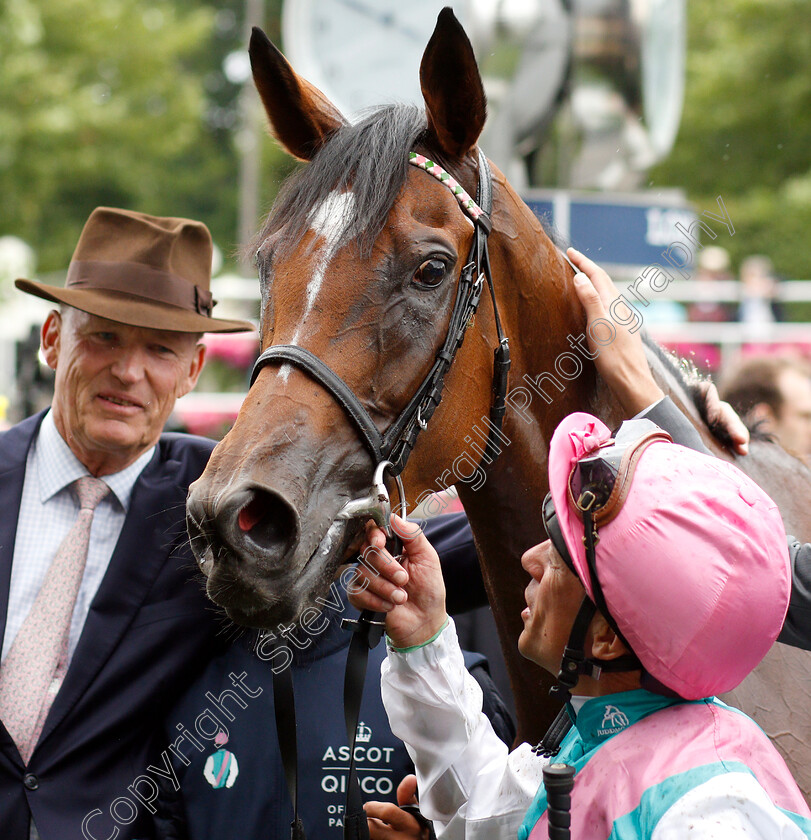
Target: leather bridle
<point>397,442</point>
<point>390,452</point>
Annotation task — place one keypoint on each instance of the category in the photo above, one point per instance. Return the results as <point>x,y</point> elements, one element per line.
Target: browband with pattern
<point>432,168</point>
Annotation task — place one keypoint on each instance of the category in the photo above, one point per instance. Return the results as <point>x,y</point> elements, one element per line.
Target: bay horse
<point>359,263</point>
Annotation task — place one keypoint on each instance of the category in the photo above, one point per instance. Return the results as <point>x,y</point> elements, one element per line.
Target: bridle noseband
<point>396,443</point>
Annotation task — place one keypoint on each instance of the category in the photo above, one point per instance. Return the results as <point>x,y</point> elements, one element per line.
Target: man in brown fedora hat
<point>102,623</point>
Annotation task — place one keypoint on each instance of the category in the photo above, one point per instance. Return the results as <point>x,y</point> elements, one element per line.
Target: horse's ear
<point>452,88</point>
<point>301,117</point>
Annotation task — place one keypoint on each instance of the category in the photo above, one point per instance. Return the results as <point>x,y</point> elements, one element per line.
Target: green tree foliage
<point>101,103</point>
<point>746,125</point>
<point>124,103</point>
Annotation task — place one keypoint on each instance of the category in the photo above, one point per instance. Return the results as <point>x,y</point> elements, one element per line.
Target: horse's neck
<point>546,324</point>
<point>505,512</point>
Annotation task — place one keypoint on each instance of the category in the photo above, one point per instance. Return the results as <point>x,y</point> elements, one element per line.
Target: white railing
<point>729,336</point>
<point>200,407</point>
<point>724,291</point>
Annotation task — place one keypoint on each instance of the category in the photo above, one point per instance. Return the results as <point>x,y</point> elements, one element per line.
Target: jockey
<point>665,581</point>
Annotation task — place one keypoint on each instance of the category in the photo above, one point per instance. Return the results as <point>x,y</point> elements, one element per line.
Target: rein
<point>390,451</point>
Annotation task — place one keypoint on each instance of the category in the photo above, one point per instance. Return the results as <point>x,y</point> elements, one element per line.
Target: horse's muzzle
<point>251,526</point>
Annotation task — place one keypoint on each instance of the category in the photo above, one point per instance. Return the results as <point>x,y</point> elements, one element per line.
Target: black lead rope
<point>367,632</point>
<point>284,708</point>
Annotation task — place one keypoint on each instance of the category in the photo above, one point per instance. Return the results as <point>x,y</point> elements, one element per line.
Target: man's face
<point>553,598</point>
<point>793,424</point>
<point>115,385</point>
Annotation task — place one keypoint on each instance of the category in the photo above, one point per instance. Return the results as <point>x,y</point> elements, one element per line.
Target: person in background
<point>773,393</point>
<point>759,304</point>
<point>713,266</point>
<point>101,620</point>
<point>708,305</point>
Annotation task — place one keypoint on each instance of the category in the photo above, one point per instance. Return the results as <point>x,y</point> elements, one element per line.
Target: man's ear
<point>198,360</point>
<point>50,336</point>
<point>605,643</point>
<point>762,413</point>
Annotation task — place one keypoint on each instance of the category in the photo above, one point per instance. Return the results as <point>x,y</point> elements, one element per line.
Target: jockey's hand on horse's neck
<point>409,589</point>
<point>622,362</point>
<point>724,414</point>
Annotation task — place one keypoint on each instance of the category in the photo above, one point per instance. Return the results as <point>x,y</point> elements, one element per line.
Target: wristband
<point>433,638</point>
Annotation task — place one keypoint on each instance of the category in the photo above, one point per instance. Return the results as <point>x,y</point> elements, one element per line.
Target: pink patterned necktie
<point>33,671</point>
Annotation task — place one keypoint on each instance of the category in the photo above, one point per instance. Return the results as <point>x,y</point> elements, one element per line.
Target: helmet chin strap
<point>575,664</point>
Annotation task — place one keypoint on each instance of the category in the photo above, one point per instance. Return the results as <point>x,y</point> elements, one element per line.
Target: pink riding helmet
<point>694,568</point>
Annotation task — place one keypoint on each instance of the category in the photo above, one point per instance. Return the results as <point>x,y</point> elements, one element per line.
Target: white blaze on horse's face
<point>328,222</point>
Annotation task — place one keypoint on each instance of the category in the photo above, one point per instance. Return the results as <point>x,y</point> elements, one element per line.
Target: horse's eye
<point>430,274</point>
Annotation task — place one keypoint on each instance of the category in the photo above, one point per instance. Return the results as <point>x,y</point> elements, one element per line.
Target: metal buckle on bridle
<point>586,501</point>
<point>376,628</point>
<point>377,505</point>
<point>423,424</point>
<point>476,291</point>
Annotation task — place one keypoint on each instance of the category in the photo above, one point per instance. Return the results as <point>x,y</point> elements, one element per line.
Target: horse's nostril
<point>250,515</point>
<point>268,521</point>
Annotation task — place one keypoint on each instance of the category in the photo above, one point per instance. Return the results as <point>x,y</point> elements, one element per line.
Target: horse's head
<point>360,261</point>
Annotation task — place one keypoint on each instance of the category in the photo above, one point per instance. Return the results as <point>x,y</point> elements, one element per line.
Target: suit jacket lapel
<point>14,446</point>
<point>150,529</point>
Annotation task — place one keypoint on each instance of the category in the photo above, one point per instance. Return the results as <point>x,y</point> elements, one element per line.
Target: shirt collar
<point>600,718</point>
<point>57,466</point>
<point>576,701</point>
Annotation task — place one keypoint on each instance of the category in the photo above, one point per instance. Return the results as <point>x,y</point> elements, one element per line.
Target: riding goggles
<point>599,482</point>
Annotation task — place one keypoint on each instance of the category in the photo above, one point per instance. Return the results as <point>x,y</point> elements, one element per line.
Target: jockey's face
<point>553,598</point>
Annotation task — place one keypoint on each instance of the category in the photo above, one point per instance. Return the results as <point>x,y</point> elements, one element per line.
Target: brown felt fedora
<point>144,271</point>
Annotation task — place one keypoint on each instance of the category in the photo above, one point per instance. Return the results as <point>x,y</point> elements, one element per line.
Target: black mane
<point>371,156</point>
